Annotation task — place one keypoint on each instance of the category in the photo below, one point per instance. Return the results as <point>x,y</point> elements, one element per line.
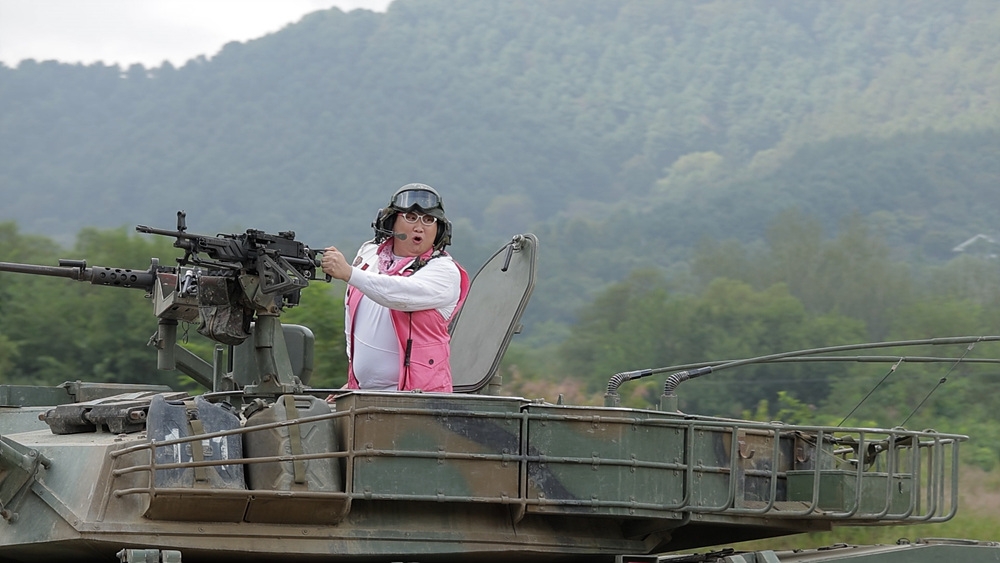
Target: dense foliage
<point>799,291</point>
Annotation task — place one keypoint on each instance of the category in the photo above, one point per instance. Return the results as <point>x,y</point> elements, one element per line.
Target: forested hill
<point>621,131</point>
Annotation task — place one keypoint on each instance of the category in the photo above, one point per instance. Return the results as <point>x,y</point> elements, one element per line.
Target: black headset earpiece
<point>443,238</point>
<point>382,224</point>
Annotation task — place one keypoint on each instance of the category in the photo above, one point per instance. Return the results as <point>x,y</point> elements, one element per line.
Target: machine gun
<point>228,282</point>
<point>283,265</point>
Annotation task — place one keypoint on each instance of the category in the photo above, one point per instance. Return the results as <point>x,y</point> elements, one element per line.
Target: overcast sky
<point>144,31</point>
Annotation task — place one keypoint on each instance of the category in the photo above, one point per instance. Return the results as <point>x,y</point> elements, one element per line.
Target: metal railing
<point>710,466</point>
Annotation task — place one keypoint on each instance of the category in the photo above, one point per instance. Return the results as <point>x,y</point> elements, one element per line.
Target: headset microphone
<point>389,234</point>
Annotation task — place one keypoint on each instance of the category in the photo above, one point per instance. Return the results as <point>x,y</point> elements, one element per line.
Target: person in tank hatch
<point>402,291</point>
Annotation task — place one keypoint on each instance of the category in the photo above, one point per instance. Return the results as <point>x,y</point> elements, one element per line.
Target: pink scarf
<point>388,263</point>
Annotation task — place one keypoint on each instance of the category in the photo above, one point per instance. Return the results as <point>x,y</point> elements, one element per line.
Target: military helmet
<point>414,197</point>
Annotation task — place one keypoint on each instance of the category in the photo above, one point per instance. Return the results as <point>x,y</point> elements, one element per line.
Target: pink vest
<point>424,342</point>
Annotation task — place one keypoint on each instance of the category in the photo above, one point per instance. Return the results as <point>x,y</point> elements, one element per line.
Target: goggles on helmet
<point>423,200</point>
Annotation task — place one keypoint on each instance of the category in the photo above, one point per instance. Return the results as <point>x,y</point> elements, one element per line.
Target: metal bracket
<point>149,556</point>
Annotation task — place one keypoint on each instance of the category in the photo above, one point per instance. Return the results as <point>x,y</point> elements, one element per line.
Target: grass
<point>978,518</point>
<point>963,526</point>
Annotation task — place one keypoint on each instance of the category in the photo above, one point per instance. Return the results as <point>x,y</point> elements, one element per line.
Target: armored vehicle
<point>261,467</point>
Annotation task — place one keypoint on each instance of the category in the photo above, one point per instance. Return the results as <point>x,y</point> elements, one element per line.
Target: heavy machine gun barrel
<point>97,275</point>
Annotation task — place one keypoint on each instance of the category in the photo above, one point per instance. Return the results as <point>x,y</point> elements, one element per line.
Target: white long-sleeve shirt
<point>375,353</point>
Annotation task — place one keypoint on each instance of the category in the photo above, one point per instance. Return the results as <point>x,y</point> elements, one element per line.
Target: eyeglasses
<point>423,199</point>
<point>413,217</point>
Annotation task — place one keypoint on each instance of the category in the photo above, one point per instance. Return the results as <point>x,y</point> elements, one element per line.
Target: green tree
<point>739,322</point>
<point>8,355</point>
<point>64,330</point>
<point>853,274</point>
<point>322,311</point>
<point>640,323</point>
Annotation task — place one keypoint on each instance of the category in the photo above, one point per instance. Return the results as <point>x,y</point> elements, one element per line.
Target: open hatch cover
<point>491,314</point>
